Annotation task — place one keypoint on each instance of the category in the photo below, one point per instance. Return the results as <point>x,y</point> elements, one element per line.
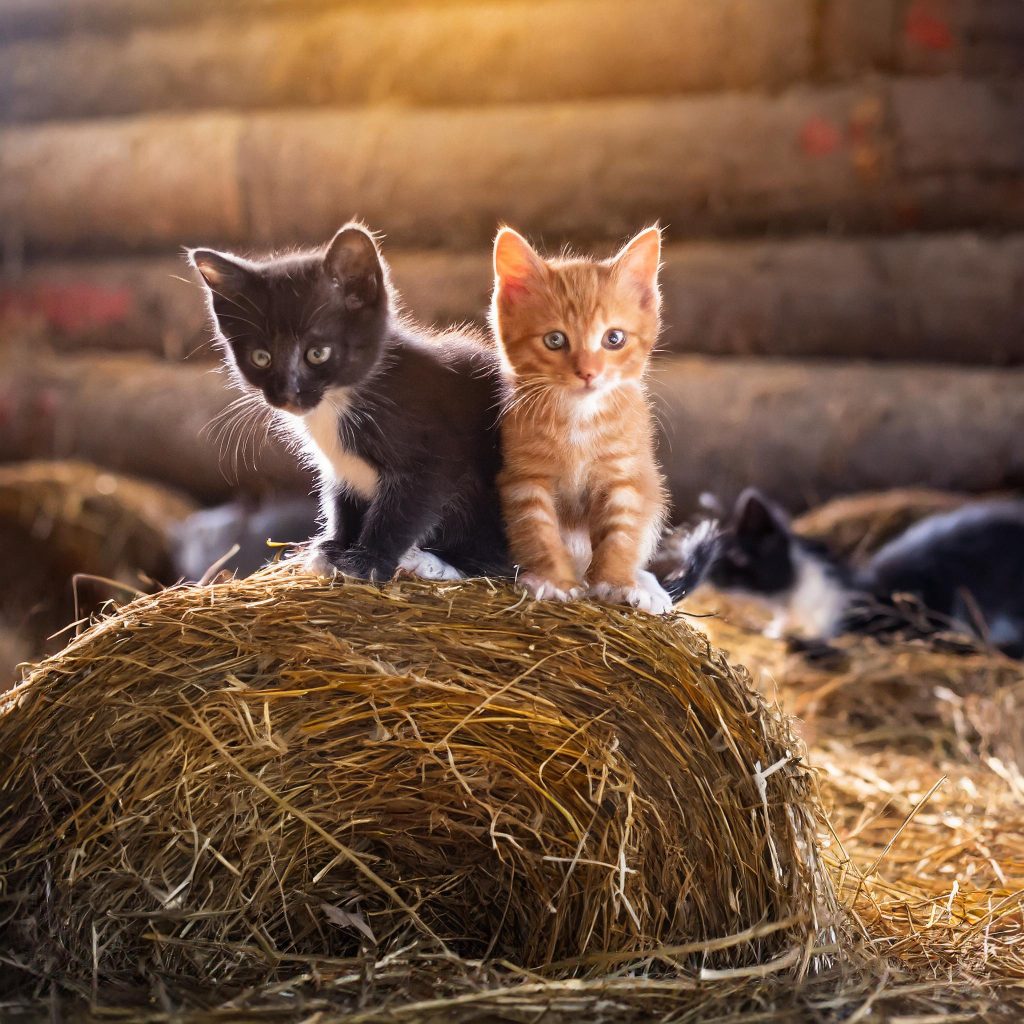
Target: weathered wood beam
<point>955,298</point>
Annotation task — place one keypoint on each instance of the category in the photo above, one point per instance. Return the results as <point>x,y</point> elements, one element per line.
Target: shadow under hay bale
<point>226,783</point>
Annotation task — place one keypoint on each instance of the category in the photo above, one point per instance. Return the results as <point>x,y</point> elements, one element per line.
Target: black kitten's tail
<point>685,558</point>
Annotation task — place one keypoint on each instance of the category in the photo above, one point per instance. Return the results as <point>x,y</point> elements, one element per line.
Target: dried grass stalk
<point>216,783</point>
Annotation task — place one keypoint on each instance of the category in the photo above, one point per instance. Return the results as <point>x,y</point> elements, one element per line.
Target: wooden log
<point>27,19</point>
<point>858,157</point>
<point>177,53</point>
<point>803,432</point>
<point>974,37</point>
<point>806,432</point>
<point>135,184</point>
<point>492,52</point>
<point>136,415</point>
<point>955,298</point>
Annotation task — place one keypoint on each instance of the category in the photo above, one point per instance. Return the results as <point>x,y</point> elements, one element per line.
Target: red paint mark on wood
<point>925,28</point>
<point>819,137</point>
<point>47,403</point>
<point>69,308</point>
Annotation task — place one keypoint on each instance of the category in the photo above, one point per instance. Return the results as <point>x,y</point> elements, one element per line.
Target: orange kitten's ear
<point>516,265</point>
<point>639,260</point>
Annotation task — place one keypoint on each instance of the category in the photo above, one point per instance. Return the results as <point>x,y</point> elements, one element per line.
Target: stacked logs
<point>839,179</point>
<point>821,429</point>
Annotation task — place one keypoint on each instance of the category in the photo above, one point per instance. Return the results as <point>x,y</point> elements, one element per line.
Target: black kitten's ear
<point>352,261</point>
<point>223,274</point>
<point>755,516</point>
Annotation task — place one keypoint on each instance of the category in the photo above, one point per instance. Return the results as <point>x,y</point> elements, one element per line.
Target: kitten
<point>965,567</point>
<point>583,497</point>
<point>399,422</point>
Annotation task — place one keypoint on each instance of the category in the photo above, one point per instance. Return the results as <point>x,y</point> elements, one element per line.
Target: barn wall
<point>839,180</point>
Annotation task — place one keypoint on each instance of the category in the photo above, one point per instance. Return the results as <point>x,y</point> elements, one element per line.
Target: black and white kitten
<point>964,566</point>
<point>400,423</point>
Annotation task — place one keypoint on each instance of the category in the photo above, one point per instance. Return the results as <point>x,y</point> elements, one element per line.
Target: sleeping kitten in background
<point>965,566</point>
<point>583,497</point>
<point>399,422</point>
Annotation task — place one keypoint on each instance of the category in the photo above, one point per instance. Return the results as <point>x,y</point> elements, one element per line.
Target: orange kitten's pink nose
<point>586,375</point>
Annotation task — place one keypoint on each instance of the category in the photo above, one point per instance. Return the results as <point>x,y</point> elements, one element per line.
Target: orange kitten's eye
<point>260,358</point>
<point>614,338</point>
<point>555,340</point>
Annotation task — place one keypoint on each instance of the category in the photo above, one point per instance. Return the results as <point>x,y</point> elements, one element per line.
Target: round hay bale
<point>90,518</point>
<point>59,519</point>
<point>217,782</point>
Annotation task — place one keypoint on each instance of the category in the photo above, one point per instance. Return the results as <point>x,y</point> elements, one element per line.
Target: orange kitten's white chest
<point>321,439</point>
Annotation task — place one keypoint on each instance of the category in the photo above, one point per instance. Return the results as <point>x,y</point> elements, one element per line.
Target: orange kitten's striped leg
<point>534,539</point>
<point>623,523</point>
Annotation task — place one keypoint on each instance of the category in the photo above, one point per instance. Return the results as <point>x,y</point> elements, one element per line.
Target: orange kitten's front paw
<point>543,589</point>
<point>646,595</point>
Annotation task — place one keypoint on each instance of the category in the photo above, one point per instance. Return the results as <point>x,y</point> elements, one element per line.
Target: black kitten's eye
<point>317,355</point>
<point>260,358</point>
<point>614,338</point>
<point>555,340</point>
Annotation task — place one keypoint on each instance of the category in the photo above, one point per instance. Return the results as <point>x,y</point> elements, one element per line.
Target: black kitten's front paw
<point>323,558</point>
<point>328,558</point>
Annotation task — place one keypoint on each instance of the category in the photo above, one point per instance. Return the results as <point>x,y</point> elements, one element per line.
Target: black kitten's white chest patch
<point>322,440</point>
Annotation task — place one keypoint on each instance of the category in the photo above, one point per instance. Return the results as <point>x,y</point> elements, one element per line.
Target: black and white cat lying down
<point>965,567</point>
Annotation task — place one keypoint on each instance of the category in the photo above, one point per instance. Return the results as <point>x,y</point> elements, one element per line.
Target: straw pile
<point>858,524</point>
<point>62,520</point>
<point>91,518</point>
<point>277,777</point>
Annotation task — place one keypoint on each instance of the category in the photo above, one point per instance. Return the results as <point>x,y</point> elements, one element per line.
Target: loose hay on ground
<point>229,783</point>
<point>921,759</point>
<point>892,693</point>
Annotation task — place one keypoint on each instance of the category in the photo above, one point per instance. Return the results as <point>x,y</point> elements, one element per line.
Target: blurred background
<point>841,183</point>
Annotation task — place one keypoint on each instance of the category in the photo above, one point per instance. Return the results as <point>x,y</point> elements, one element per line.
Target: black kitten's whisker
<point>308,322</point>
<point>242,320</point>
<point>217,426</point>
<point>256,438</point>
<point>227,427</point>
<point>234,300</point>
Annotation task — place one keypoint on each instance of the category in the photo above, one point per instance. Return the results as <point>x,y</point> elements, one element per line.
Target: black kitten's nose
<point>289,402</point>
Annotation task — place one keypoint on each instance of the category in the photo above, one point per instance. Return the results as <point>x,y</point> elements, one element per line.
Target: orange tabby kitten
<point>581,491</point>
